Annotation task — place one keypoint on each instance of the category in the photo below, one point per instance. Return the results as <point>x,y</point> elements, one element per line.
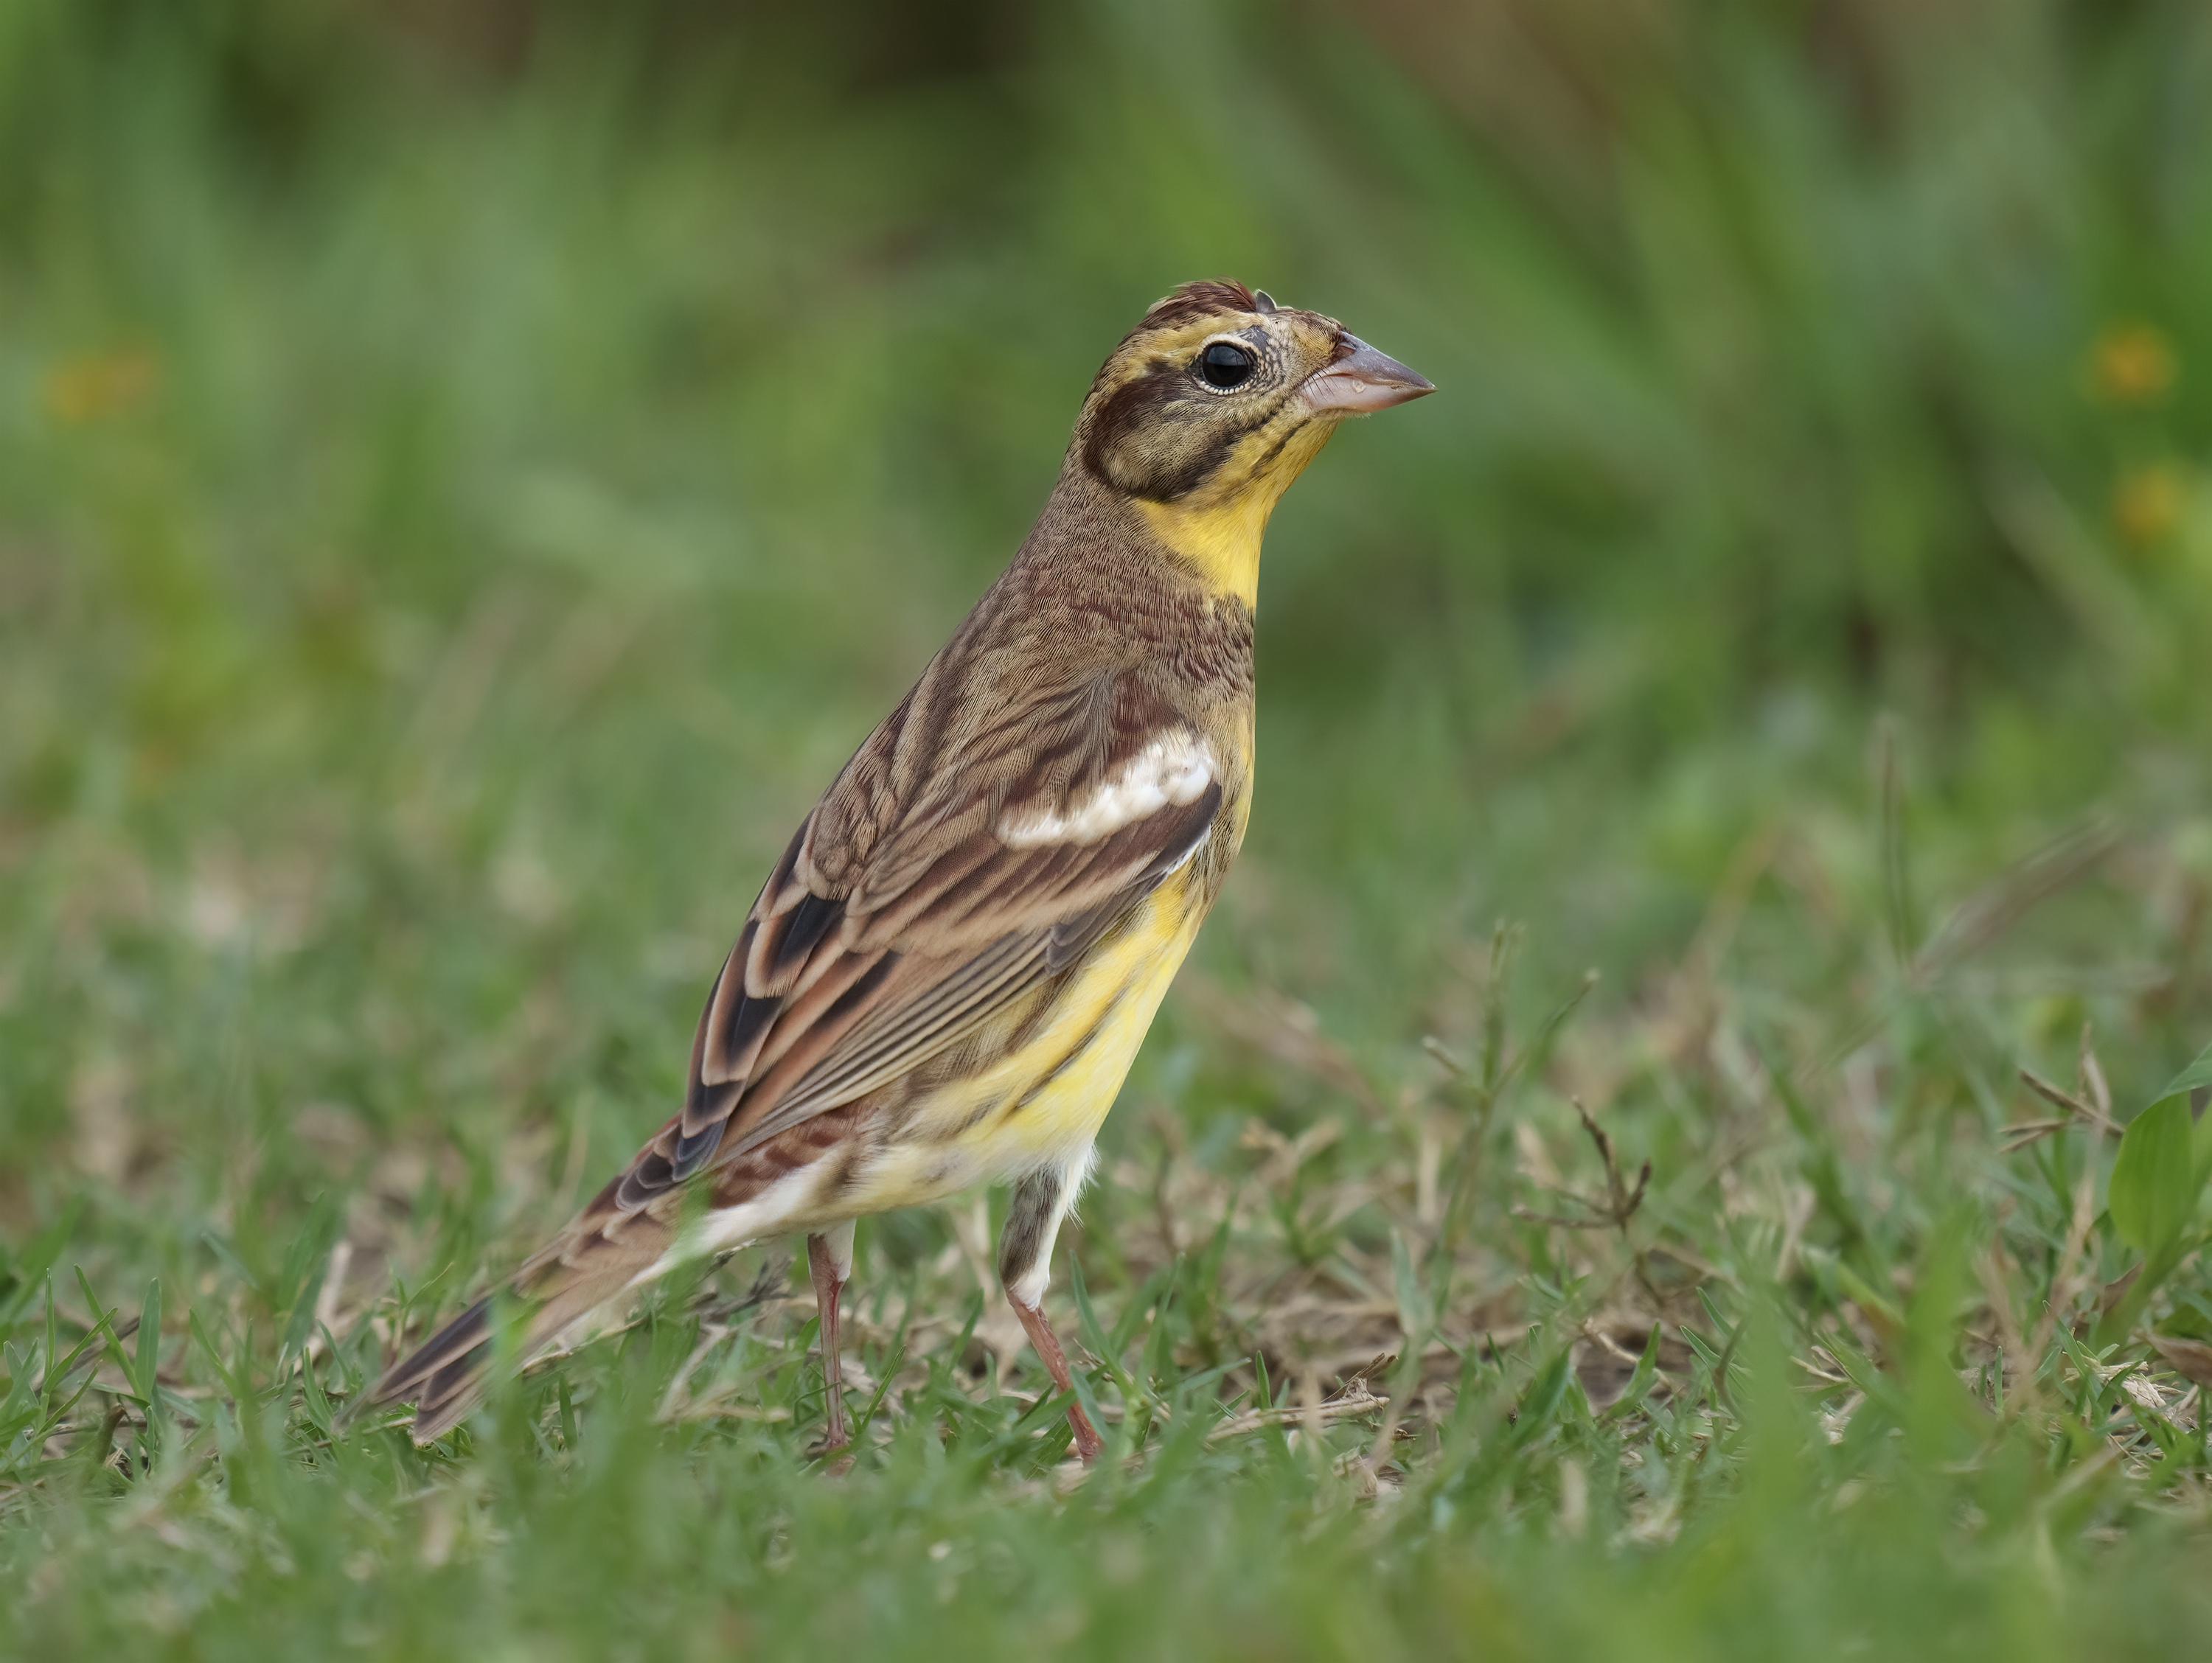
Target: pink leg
<point>828,1291</point>
<point>1087,1443</point>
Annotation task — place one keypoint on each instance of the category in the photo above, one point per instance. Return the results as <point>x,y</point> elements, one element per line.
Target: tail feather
<point>444,1377</point>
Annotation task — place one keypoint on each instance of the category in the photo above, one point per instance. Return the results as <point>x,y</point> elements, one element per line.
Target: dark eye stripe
<point>1127,414</point>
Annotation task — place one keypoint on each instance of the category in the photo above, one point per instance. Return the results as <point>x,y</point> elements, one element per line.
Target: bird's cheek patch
<point>1174,768</point>
<point>1142,439</point>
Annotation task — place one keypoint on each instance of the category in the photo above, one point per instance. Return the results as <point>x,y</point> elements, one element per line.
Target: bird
<point>946,977</point>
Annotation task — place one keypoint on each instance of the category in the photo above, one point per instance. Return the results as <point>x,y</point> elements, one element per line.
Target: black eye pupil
<point>1224,364</point>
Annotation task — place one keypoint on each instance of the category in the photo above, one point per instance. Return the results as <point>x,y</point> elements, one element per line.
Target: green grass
<point>460,497</point>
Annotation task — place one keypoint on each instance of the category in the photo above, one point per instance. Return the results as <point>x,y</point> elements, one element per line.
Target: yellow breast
<point>1048,1098</point>
<point>1066,1080</point>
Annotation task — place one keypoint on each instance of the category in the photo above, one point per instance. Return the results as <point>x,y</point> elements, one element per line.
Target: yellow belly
<point>1045,1102</point>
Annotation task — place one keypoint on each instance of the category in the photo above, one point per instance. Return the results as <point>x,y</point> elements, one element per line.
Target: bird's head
<point>1213,404</point>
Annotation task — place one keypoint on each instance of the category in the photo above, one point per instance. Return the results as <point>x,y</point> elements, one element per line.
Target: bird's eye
<point>1225,365</point>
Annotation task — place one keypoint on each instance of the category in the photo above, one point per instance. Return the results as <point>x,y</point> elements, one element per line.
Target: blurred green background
<point>494,461</point>
<point>469,473</point>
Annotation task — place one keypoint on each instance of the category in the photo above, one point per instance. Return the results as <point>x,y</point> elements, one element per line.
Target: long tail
<point>585,1266</point>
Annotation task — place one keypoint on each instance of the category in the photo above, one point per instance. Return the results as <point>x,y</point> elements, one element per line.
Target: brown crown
<point>1206,298</point>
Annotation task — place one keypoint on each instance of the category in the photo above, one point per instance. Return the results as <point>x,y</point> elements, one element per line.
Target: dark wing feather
<point>898,922</point>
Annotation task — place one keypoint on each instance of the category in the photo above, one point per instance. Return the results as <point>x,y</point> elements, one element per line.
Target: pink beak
<point>1367,380</point>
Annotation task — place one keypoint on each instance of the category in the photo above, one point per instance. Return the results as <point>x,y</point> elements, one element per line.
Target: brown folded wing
<point>898,922</point>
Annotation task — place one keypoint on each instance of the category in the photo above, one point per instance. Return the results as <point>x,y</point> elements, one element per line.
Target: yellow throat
<point>1217,530</point>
